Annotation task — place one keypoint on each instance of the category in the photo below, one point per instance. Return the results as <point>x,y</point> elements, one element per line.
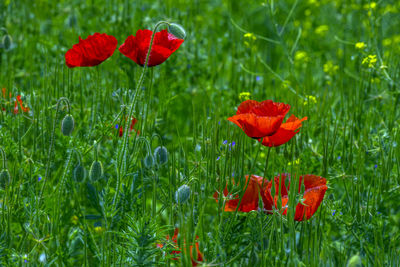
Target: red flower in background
<point>91,51</point>
<point>199,256</point>
<point>121,128</point>
<point>285,132</point>
<point>251,196</point>
<point>315,188</point>
<point>136,47</point>
<point>260,119</point>
<point>17,101</point>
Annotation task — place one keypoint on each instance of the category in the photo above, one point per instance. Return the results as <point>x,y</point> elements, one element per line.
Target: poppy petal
<point>257,126</point>
<point>136,47</point>
<point>286,132</point>
<point>91,51</point>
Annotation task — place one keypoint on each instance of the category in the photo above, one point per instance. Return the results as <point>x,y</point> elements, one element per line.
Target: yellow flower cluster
<point>244,96</point>
<point>294,163</point>
<point>322,30</point>
<point>330,68</point>
<point>360,45</point>
<point>310,99</point>
<point>301,56</point>
<point>370,61</point>
<point>251,37</point>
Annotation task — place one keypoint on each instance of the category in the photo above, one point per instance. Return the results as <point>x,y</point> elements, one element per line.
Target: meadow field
<point>184,156</point>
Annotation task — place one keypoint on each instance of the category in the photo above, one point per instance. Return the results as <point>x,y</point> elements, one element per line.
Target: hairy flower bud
<point>7,42</point>
<point>177,30</point>
<point>96,171</point>
<point>79,173</point>
<point>148,161</point>
<point>182,194</point>
<point>161,155</point>
<point>67,125</point>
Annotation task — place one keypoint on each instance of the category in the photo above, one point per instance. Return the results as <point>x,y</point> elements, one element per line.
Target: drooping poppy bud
<point>148,161</point>
<point>79,173</point>
<point>161,155</point>
<point>96,171</point>
<point>67,125</point>
<point>177,30</point>
<point>182,194</point>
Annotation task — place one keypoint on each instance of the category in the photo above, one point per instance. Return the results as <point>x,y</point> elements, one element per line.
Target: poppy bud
<point>161,155</point>
<point>182,194</point>
<point>4,178</point>
<point>148,161</point>
<point>79,173</point>
<point>7,42</point>
<point>67,125</point>
<point>177,30</point>
<point>96,171</point>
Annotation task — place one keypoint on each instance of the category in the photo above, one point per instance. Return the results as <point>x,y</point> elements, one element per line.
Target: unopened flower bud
<point>79,173</point>
<point>182,194</point>
<point>67,125</point>
<point>177,30</point>
<point>96,171</point>
<point>161,155</point>
<point>148,161</point>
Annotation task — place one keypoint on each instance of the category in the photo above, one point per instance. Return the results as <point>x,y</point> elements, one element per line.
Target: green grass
<point>351,136</point>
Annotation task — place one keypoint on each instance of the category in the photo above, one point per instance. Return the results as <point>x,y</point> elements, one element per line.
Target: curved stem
<point>122,153</point>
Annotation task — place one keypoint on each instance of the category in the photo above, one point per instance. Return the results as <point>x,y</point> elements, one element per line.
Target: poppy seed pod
<point>96,171</point>
<point>182,194</point>
<point>161,155</point>
<point>177,30</point>
<point>79,173</point>
<point>7,42</point>
<point>67,125</point>
<point>148,161</point>
<point>4,178</point>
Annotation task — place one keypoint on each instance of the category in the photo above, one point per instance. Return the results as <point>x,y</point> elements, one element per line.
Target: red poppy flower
<point>251,196</point>
<point>136,47</point>
<point>91,51</point>
<point>174,239</point>
<point>315,188</point>
<point>23,109</point>
<point>121,130</point>
<point>286,132</point>
<point>260,119</point>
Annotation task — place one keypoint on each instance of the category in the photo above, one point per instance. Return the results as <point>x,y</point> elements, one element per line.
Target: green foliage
<point>335,62</point>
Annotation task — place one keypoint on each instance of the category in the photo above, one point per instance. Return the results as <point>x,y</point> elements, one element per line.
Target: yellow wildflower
<point>244,96</point>
<point>387,42</point>
<point>330,68</point>
<point>301,56</point>
<point>370,60</point>
<point>310,99</point>
<point>250,36</point>
<point>294,163</point>
<point>322,30</point>
<point>99,229</point>
<point>360,45</point>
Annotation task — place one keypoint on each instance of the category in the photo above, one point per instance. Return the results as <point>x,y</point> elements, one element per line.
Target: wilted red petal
<point>24,109</point>
<point>286,132</point>
<point>136,47</point>
<point>315,188</point>
<point>15,107</point>
<point>199,256</point>
<point>250,198</point>
<point>91,51</point>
